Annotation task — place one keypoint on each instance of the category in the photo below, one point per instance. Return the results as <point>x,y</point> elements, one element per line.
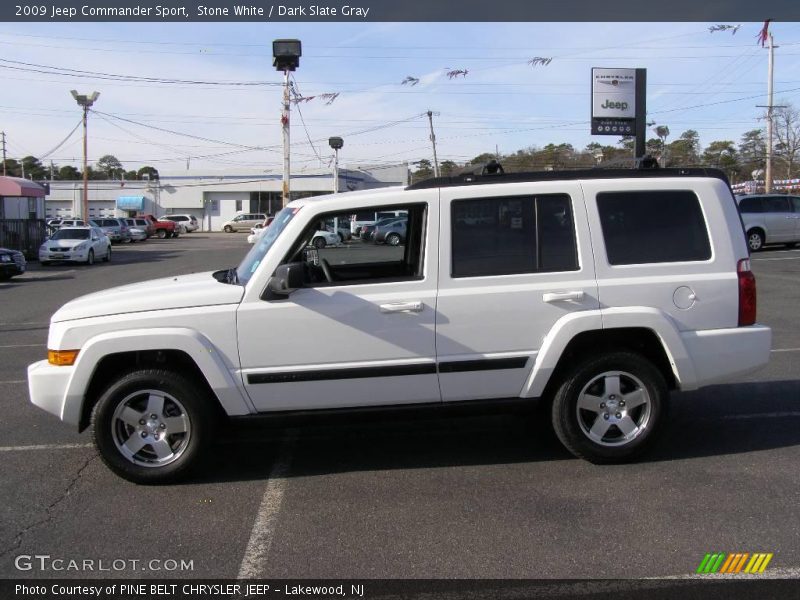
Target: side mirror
<point>287,279</point>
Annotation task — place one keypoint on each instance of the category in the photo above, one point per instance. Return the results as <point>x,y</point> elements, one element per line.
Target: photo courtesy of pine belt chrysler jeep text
<point>593,292</point>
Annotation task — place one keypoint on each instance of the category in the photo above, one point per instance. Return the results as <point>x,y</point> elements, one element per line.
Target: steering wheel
<point>326,270</point>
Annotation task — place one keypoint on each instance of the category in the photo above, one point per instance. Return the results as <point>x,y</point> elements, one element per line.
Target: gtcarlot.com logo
<point>736,562</point>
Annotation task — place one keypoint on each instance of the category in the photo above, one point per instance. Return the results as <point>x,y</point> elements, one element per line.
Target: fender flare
<point>228,389</point>
<point>572,324</point>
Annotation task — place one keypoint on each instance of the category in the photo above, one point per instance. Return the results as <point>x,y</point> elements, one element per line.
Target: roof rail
<point>597,173</point>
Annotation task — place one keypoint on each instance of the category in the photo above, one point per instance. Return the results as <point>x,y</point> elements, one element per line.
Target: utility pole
<point>771,67</point>
<point>3,135</point>
<point>433,141</point>
<point>285,125</point>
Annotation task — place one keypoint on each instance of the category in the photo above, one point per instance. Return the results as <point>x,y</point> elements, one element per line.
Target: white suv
<point>596,292</point>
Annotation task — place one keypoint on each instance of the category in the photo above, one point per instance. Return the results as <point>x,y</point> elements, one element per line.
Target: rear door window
<point>776,204</point>
<point>651,226</point>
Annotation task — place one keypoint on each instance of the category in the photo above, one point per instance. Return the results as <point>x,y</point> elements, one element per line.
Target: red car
<point>163,229</point>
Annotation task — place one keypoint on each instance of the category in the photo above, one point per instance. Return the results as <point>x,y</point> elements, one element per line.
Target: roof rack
<point>485,178</point>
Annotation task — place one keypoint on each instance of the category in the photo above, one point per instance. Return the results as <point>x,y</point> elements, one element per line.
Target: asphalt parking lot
<point>473,497</point>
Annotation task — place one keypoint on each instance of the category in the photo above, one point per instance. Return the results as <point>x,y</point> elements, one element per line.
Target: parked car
<point>343,229</point>
<point>265,223</point>
<point>142,223</point>
<point>594,293</point>
<point>368,231</point>
<point>115,229</point>
<point>162,229</point>
<point>323,238</point>
<point>770,219</point>
<point>243,222</point>
<point>12,263</point>
<point>137,233</point>
<point>393,234</point>
<point>78,244</point>
<point>189,222</point>
<point>369,217</point>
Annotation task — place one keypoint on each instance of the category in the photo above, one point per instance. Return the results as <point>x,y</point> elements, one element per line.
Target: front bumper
<point>49,256</point>
<point>11,268</point>
<point>47,386</point>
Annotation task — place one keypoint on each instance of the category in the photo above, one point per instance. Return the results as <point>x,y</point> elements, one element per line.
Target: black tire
<point>108,255</point>
<point>791,245</point>
<point>135,390</point>
<point>590,380</point>
<point>90,257</point>
<point>5,276</point>
<point>341,237</point>
<point>162,234</point>
<point>755,240</point>
<point>44,263</point>
<point>175,234</point>
<point>392,239</point>
<point>319,243</point>
<point>227,229</point>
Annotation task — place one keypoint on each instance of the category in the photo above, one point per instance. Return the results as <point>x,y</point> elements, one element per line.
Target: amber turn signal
<point>62,358</point>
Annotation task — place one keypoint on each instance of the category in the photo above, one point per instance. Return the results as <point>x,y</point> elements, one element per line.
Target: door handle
<point>559,296</point>
<point>393,307</point>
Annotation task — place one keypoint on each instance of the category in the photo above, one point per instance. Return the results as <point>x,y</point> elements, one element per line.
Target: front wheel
<point>610,408</point>
<point>319,243</point>
<point>152,426</point>
<point>108,255</point>
<point>90,258</point>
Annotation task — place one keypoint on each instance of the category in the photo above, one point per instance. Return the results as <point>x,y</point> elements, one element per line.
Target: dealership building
<point>211,197</point>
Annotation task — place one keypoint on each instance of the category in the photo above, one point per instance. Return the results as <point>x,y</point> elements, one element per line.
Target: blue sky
<point>711,82</point>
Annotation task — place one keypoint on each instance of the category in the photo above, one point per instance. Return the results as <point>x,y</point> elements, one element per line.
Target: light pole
<point>336,143</point>
<point>286,57</point>
<point>86,102</point>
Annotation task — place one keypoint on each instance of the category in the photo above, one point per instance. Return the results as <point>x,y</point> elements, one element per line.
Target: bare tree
<point>786,123</point>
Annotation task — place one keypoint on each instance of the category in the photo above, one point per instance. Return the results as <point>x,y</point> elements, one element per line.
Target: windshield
<point>71,234</point>
<point>259,250</point>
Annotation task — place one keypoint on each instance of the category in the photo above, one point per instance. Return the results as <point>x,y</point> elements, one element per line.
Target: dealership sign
<point>613,101</point>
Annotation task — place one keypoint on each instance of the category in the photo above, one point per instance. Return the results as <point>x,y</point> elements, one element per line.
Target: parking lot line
<point>24,346</point>
<point>786,258</point>
<point>786,350</point>
<point>43,447</point>
<point>257,551</point>
<point>13,381</point>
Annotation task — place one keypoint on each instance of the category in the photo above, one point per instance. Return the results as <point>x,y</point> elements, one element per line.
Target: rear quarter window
<point>649,226</point>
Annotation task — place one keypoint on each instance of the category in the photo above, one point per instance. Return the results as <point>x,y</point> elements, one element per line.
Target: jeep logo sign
<point>614,93</point>
<point>623,106</point>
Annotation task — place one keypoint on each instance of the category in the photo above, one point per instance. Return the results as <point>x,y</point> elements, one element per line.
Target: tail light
<point>747,293</point>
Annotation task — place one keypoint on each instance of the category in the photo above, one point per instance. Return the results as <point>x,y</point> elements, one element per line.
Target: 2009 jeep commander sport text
<point>595,291</point>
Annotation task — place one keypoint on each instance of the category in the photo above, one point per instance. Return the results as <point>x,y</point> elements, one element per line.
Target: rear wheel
<point>610,408</point>
<point>393,239</point>
<point>228,229</point>
<point>162,234</point>
<point>319,243</point>
<point>152,426</point>
<point>755,240</point>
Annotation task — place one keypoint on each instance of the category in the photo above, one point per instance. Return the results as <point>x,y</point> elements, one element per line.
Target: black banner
<point>700,588</point>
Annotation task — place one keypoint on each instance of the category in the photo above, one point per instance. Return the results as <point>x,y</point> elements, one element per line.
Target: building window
<point>238,205</point>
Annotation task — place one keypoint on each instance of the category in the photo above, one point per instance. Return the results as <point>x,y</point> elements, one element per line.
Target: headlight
<point>81,246</point>
<point>5,258</point>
